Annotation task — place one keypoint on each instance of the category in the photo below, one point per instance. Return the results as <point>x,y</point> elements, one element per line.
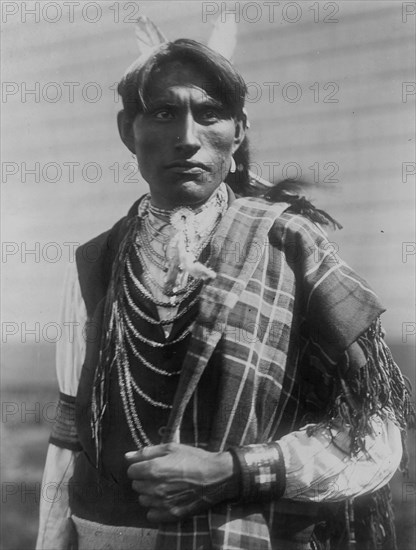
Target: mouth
<point>187,167</point>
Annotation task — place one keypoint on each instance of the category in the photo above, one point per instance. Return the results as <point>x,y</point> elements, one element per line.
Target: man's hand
<point>176,480</point>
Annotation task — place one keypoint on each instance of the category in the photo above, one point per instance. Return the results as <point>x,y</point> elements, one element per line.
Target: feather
<point>149,38</point>
<point>148,35</point>
<point>182,264</point>
<point>224,37</point>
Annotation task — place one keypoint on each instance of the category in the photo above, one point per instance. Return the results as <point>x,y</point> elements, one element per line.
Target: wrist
<point>226,484</point>
<point>261,471</point>
<point>225,465</point>
<point>230,468</point>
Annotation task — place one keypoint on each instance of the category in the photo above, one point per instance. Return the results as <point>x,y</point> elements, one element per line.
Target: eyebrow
<point>215,103</point>
<point>167,102</point>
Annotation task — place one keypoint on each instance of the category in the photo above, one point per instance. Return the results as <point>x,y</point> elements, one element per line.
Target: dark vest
<point>104,494</point>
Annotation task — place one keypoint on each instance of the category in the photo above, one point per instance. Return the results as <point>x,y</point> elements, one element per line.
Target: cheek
<point>150,150</point>
<point>221,142</point>
<point>150,141</point>
<point>146,141</point>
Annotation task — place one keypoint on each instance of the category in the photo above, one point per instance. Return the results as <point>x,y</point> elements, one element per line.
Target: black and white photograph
<point>208,275</point>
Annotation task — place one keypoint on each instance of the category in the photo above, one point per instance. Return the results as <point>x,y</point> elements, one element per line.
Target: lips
<point>187,167</point>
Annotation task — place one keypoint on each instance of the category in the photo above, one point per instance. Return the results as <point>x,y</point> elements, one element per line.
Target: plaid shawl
<point>282,299</point>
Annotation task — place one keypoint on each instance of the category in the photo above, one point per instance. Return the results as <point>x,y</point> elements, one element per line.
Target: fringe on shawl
<point>111,323</point>
<point>364,523</point>
<point>374,521</point>
<point>378,387</point>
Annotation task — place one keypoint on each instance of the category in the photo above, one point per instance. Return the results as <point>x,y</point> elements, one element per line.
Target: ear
<point>240,133</point>
<point>125,128</point>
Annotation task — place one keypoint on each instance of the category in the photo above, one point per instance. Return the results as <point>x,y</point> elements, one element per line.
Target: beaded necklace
<point>166,245</point>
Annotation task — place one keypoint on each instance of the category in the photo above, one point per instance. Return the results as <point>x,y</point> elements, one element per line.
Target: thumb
<point>147,453</point>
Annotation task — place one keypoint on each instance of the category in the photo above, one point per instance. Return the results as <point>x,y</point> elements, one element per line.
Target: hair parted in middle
<point>223,81</point>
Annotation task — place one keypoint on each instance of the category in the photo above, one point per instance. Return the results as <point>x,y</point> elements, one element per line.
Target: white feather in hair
<point>148,35</point>
<point>224,37</point>
<point>149,38</point>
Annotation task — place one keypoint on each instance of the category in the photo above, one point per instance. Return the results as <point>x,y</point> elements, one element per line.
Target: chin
<point>193,192</point>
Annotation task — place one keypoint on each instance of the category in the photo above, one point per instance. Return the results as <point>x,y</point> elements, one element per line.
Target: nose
<point>187,141</point>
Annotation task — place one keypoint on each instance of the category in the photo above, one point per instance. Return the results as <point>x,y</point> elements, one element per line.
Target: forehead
<point>173,78</point>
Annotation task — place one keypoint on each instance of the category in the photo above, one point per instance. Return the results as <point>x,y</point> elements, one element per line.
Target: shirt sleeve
<point>70,352</point>
<point>54,524</point>
<point>70,349</point>
<point>330,461</point>
<point>338,459</point>
<point>319,468</point>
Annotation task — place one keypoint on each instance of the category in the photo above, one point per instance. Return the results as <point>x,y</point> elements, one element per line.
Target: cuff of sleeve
<point>64,433</point>
<point>262,471</point>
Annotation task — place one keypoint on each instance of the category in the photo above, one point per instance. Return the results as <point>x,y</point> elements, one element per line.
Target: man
<point>234,373</point>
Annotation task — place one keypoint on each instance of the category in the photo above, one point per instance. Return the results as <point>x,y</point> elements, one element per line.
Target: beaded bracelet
<point>262,471</point>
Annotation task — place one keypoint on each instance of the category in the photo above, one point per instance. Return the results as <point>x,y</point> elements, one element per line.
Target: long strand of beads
<point>196,233</point>
<point>157,232</point>
<point>207,239</point>
<point>151,320</point>
<point>154,257</point>
<point>153,343</point>
<point>152,281</point>
<point>146,363</point>
<point>131,383</point>
<point>142,289</point>
<point>133,420</point>
<point>147,398</point>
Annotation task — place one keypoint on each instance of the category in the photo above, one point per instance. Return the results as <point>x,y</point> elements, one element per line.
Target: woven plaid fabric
<point>281,292</point>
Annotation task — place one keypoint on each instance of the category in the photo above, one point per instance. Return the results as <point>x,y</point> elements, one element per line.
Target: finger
<point>162,490</point>
<point>143,471</point>
<point>146,453</point>
<point>183,497</point>
<point>144,487</point>
<point>154,464</point>
<point>157,503</point>
<point>152,502</point>
<point>170,503</point>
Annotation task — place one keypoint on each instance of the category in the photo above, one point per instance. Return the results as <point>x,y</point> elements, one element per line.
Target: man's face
<point>185,139</point>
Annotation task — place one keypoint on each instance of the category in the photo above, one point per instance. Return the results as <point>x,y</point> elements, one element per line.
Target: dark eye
<point>210,115</point>
<point>163,114</point>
